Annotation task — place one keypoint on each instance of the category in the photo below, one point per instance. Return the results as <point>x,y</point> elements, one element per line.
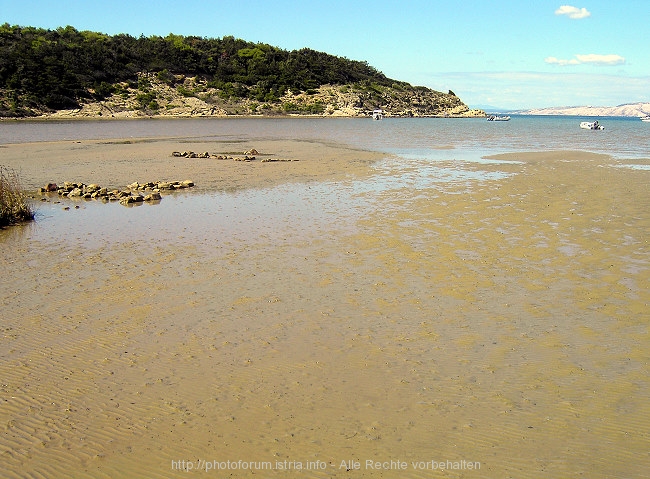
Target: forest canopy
<point>56,69</point>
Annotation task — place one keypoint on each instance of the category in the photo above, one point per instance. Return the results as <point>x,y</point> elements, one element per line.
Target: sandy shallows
<point>500,324</point>
<point>117,163</point>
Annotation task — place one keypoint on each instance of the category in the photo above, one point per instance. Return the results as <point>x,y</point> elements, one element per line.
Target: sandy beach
<point>497,328</point>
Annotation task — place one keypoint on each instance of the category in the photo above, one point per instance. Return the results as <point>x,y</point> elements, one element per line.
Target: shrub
<point>104,90</point>
<point>184,91</point>
<point>144,84</point>
<point>315,108</point>
<point>290,107</point>
<point>166,77</point>
<point>14,205</point>
<point>146,99</point>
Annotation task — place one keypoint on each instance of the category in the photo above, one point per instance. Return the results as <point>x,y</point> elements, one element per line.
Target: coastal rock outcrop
<point>195,97</point>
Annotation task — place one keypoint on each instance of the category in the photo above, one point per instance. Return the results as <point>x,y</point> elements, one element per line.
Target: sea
<point>467,139</point>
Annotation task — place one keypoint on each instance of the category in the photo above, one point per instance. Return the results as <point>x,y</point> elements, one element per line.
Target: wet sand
<point>117,163</point>
<point>503,323</point>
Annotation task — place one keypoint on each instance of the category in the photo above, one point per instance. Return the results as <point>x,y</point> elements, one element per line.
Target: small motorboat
<point>645,118</point>
<point>591,125</point>
<point>498,118</point>
<point>377,115</point>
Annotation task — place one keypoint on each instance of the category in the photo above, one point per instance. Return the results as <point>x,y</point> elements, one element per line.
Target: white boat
<point>498,118</point>
<point>377,115</point>
<point>591,125</point>
<point>645,118</point>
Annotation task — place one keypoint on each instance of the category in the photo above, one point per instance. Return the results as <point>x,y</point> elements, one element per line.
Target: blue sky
<point>511,54</point>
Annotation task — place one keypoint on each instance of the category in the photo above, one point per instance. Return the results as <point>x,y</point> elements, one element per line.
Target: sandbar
<point>120,162</point>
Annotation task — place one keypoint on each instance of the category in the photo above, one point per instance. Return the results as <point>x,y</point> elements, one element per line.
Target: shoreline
<point>135,115</point>
<point>128,116</point>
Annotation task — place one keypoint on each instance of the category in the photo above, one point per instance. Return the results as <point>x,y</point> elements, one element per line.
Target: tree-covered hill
<point>48,70</point>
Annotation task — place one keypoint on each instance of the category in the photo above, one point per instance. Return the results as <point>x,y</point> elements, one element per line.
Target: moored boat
<point>645,118</point>
<point>377,115</point>
<point>591,125</point>
<point>498,118</point>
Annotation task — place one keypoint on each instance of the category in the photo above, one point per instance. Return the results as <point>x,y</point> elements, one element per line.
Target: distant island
<point>628,109</point>
<point>70,73</point>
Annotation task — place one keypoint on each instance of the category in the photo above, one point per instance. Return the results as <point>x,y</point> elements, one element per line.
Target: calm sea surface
<point>434,138</point>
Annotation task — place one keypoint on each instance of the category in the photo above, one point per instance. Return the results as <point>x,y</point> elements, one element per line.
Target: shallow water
<point>238,215</point>
<point>186,218</point>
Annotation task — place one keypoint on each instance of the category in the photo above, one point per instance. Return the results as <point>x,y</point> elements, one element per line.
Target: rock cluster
<point>191,154</point>
<point>160,185</point>
<point>248,156</point>
<point>134,193</point>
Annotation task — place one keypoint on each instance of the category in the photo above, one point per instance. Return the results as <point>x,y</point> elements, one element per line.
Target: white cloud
<point>601,59</point>
<point>557,61</point>
<point>574,13</point>
<point>592,58</point>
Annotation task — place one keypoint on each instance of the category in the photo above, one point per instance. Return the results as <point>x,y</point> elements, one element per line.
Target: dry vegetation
<point>14,203</point>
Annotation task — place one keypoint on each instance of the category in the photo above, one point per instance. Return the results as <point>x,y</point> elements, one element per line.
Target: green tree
<point>58,68</point>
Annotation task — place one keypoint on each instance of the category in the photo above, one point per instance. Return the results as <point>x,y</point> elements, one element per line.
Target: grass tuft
<point>14,204</point>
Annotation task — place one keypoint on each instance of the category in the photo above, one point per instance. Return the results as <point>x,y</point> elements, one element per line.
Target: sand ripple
<point>502,321</point>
